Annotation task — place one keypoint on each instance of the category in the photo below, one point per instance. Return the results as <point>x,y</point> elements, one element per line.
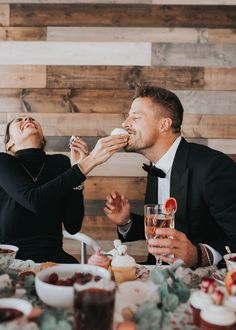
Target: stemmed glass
<point>155,216</point>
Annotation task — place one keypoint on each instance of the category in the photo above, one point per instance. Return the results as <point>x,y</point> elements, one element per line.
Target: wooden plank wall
<point>73,65</point>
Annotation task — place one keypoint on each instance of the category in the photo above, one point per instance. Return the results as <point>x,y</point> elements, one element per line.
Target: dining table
<point>128,295</point>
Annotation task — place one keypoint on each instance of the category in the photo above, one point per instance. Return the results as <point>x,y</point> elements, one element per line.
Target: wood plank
<point>95,207</point>
<point>197,126</point>
<point>106,101</point>
<point>213,75</point>
<point>138,34</point>
<point>126,15</point>
<point>22,76</point>
<point>158,2</point>
<point>67,100</point>
<point>120,77</point>
<point>85,53</point>
<point>4,14</point>
<point>97,188</point>
<point>144,34</point>
<point>183,54</point>
<point>24,33</point>
<point>222,35</point>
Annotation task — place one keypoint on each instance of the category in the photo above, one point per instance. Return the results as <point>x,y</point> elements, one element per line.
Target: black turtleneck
<point>32,213</point>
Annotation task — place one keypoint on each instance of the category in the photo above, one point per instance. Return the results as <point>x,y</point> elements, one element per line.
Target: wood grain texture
<point>107,101</point>
<point>121,77</point>
<point>125,15</point>
<point>157,2</point>
<point>96,207</point>
<point>22,34</point>
<point>22,76</point>
<point>194,126</point>
<point>97,188</point>
<point>183,54</point>
<point>4,15</point>
<point>73,53</point>
<point>144,34</point>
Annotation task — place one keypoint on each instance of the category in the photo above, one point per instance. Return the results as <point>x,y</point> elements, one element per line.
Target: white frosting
<point>218,315</point>
<point>118,131</point>
<point>231,302</point>
<point>123,261</point>
<point>200,299</point>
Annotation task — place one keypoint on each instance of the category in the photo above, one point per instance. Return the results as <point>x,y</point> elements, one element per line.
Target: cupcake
<point>201,298</point>
<point>98,259</point>
<point>198,301</point>
<point>217,317</point>
<point>123,266</point>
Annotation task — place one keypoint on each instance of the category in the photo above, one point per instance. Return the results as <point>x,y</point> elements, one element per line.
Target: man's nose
<point>126,123</point>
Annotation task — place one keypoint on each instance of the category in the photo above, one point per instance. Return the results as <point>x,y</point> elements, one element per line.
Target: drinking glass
<point>94,305</point>
<point>155,216</point>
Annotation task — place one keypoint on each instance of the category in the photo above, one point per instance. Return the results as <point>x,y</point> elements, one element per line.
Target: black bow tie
<point>154,171</point>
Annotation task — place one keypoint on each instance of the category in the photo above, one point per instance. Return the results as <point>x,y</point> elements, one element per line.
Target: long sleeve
<point>18,185</point>
<point>74,211</point>
<point>220,196</point>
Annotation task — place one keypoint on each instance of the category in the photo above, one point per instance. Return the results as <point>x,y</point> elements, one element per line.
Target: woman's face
<point>25,132</point>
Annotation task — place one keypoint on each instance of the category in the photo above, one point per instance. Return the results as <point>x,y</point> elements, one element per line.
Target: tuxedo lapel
<point>151,196</point>
<point>179,186</point>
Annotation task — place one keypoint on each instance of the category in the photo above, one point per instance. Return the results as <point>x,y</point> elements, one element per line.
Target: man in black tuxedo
<point>202,180</point>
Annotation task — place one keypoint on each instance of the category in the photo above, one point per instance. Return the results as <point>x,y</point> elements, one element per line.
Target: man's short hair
<point>169,101</point>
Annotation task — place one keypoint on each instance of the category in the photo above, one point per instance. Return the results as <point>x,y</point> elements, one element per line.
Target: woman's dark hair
<point>7,137</point>
<point>167,99</point>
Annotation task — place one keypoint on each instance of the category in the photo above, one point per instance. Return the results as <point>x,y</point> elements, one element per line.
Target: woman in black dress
<point>39,193</point>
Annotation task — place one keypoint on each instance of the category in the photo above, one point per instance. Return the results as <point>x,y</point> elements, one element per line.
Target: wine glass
<point>155,216</point>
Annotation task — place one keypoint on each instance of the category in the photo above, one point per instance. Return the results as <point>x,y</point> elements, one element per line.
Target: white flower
<point>122,249</point>
<point>116,243</point>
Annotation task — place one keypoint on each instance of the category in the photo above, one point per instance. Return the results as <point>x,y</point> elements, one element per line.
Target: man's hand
<point>173,242</point>
<point>117,208</point>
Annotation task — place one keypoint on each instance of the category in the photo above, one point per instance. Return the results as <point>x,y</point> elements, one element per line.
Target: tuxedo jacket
<point>203,181</point>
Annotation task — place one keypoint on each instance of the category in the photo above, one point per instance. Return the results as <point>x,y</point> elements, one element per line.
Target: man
<point>202,180</point>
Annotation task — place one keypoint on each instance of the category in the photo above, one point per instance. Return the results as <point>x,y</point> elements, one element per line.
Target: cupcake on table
<point>123,266</point>
<point>99,259</point>
<point>217,316</point>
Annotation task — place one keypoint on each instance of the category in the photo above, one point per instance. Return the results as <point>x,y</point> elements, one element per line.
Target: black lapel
<point>179,186</point>
<point>151,196</point>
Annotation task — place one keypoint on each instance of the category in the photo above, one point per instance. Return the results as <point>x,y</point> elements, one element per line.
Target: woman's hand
<point>78,150</point>
<point>102,151</point>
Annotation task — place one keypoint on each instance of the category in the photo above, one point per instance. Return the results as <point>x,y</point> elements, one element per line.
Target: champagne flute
<point>155,216</point>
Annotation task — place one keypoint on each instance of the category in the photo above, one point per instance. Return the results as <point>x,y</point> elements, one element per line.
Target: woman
<point>39,192</point>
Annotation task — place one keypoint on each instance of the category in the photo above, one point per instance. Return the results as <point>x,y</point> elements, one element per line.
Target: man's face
<point>142,124</point>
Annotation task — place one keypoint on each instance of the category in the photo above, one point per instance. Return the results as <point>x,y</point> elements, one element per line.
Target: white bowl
<point>7,258</point>
<point>59,295</point>
<point>21,305</point>
<point>230,264</point>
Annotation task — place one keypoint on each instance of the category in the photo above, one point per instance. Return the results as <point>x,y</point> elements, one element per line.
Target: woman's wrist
<point>86,164</point>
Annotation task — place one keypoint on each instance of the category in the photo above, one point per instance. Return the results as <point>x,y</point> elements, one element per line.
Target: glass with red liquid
<point>94,305</point>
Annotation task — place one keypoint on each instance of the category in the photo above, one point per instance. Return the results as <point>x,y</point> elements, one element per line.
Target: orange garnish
<point>170,205</point>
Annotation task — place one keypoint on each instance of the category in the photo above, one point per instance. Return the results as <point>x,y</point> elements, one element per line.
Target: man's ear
<point>165,124</point>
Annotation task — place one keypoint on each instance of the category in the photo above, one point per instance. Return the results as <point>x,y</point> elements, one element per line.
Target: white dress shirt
<point>165,164</point>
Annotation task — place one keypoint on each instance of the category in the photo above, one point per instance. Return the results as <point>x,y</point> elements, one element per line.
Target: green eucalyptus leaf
<point>170,302</point>
<point>176,264</point>
<point>157,276</point>
<point>163,290</point>
<point>64,325</point>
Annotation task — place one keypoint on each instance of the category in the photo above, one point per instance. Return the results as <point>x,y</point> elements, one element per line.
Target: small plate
<point>136,292</point>
<point>219,275</point>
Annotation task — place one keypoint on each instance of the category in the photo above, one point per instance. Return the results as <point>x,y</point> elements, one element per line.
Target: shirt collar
<point>166,161</point>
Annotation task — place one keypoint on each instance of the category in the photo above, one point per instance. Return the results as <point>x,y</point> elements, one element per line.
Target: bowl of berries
<point>54,285</point>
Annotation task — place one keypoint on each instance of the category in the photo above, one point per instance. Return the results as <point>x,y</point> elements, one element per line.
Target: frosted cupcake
<point>98,259</point>
<point>123,266</point>
<point>216,317</point>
